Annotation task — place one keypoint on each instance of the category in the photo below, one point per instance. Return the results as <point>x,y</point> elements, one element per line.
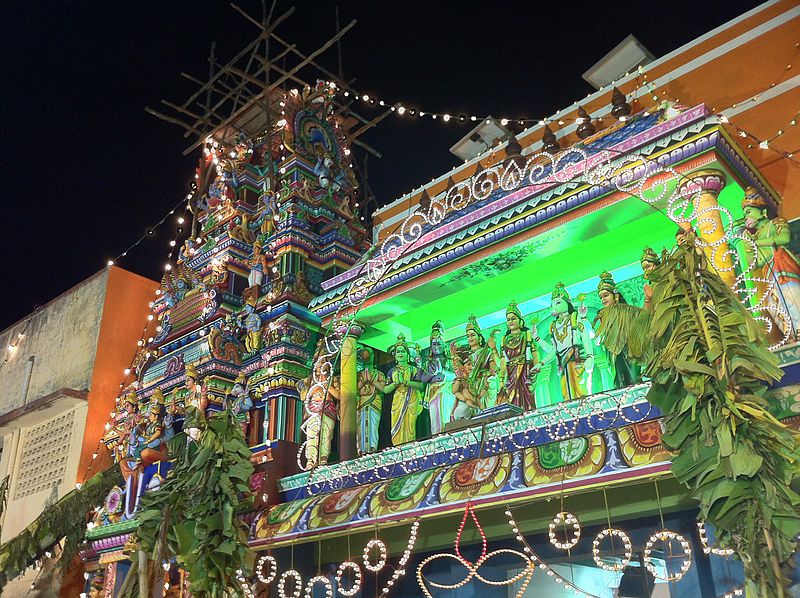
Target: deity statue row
<point>140,431</point>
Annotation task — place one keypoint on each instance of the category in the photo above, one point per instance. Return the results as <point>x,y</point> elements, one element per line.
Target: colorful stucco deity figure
<point>773,267</point>
<point>324,402</point>
<point>614,323</point>
<point>196,401</point>
<point>371,384</point>
<point>251,322</point>
<point>437,375</point>
<point>569,345</point>
<point>484,363</point>
<point>154,443</point>
<point>407,394</point>
<point>649,262</point>
<point>126,417</point>
<point>520,362</point>
<point>259,265</point>
<point>466,404</point>
<point>242,402</point>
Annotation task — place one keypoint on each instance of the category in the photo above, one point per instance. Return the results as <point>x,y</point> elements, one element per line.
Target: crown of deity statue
<point>130,398</point>
<point>251,301</point>
<point>560,292</point>
<point>472,324</point>
<point>191,371</point>
<point>241,379</point>
<point>158,397</point>
<point>650,256</point>
<point>753,199</point>
<point>401,342</point>
<point>607,282</point>
<point>438,325</point>
<point>513,309</point>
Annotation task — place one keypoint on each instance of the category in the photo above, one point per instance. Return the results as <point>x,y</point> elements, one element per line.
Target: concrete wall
<point>62,340</point>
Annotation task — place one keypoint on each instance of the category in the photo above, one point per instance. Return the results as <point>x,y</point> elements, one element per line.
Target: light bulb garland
<point>611,532</point>
<point>538,562</point>
<point>401,564</point>
<point>355,587</point>
<point>707,549</point>
<point>266,578</point>
<point>319,579</point>
<point>297,582</point>
<point>567,519</point>
<point>382,554</point>
<point>668,536</point>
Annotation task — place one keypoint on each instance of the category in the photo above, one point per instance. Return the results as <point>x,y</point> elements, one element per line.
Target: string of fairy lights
<point>403,109</point>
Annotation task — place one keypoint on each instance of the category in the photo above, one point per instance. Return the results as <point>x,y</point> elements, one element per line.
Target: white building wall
<point>62,340</point>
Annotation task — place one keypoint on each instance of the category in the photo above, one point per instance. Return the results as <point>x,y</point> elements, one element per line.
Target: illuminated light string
<point>668,536</point>
<point>567,519</point>
<point>297,584</point>
<point>602,168</point>
<point>143,339</point>
<point>708,549</point>
<point>357,578</point>
<point>765,143</point>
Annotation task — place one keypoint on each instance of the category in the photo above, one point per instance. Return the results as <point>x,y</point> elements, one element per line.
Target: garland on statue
<point>201,501</point>
<point>710,368</point>
<point>66,520</point>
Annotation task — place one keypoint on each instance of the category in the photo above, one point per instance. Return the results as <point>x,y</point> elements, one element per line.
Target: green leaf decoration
<point>710,367</point>
<point>201,500</point>
<point>66,520</point>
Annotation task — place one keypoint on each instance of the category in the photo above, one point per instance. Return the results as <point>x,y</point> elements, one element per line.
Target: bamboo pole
<point>129,577</point>
<point>142,574</point>
<point>274,85</point>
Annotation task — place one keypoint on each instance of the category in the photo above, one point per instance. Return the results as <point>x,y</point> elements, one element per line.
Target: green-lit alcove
<point>575,253</point>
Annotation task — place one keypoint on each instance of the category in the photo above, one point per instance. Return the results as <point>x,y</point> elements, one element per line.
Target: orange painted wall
<point>726,80</point>
<point>125,311</point>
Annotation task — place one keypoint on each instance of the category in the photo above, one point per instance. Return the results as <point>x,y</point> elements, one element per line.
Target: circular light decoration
<point>298,584</point>
<point>707,549</point>
<point>626,541</point>
<point>567,519</point>
<point>319,579</point>
<point>273,569</point>
<point>667,536</point>
<point>356,587</point>
<point>383,553</point>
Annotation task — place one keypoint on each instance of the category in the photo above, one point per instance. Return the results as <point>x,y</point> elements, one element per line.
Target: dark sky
<point>86,171</point>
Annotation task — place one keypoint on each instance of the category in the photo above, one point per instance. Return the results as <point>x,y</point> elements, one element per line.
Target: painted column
<point>348,394</point>
<point>704,187</point>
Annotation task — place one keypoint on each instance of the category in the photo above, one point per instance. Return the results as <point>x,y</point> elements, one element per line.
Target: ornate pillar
<point>704,187</point>
<point>348,397</point>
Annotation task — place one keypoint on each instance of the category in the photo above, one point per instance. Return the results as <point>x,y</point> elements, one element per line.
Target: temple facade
<point>465,401</point>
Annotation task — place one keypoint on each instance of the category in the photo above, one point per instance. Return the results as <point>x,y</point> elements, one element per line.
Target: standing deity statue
<point>153,446</point>
<point>466,403</point>
<point>259,265</point>
<point>484,363</point>
<point>774,268</point>
<point>569,345</point>
<point>520,362</point>
<point>371,384</point>
<point>649,262</point>
<point>125,420</point>
<point>196,402</point>
<point>437,377</point>
<point>615,322</point>
<point>407,393</point>
<point>324,402</point>
<point>251,322</point>
<point>242,402</point>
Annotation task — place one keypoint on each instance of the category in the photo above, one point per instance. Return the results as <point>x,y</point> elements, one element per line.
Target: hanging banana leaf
<point>710,367</point>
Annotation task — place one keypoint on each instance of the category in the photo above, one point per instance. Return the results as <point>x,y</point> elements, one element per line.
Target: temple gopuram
<point>570,368</point>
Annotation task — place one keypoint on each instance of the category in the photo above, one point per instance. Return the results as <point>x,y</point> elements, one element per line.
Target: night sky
<point>86,171</point>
